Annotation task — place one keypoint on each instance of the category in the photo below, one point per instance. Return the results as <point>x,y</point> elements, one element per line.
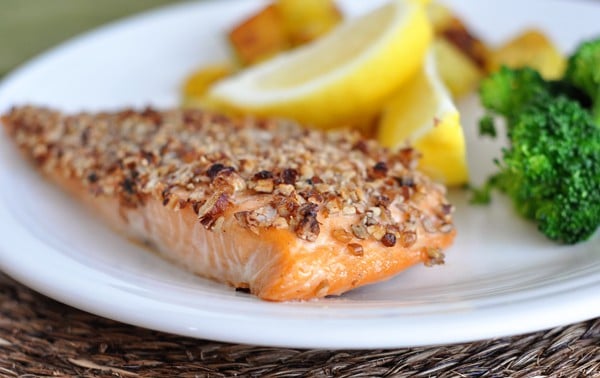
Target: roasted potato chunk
<point>458,72</point>
<point>461,57</point>
<point>531,48</point>
<point>439,15</point>
<point>449,26</point>
<point>260,36</point>
<point>456,33</point>
<point>306,20</point>
<point>280,26</point>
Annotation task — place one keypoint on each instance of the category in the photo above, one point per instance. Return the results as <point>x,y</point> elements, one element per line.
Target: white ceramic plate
<point>501,277</point>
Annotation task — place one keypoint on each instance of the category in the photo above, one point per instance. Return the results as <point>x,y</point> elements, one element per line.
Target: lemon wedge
<point>422,114</point>
<point>345,76</point>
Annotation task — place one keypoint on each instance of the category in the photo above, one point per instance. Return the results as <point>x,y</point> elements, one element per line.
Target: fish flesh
<point>264,205</point>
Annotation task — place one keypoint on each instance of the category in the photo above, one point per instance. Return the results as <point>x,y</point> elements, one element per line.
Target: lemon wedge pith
<point>422,114</point>
<point>344,76</point>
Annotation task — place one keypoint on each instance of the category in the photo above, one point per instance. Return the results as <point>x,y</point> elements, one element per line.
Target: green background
<point>28,27</point>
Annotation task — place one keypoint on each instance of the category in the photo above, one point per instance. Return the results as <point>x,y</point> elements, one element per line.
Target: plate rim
<point>377,336</point>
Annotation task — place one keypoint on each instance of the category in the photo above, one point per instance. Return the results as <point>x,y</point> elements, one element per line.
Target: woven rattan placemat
<point>41,337</point>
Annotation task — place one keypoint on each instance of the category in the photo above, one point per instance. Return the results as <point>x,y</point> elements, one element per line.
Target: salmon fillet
<point>263,205</point>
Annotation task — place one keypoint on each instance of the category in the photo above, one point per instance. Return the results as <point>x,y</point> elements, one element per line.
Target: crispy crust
<point>207,161</point>
<point>267,206</point>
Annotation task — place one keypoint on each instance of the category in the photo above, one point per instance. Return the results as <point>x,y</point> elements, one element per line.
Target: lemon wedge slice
<point>345,76</point>
<point>421,114</point>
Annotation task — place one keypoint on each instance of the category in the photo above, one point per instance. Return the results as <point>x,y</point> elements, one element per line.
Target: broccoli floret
<point>551,169</point>
<point>487,126</point>
<point>508,90</point>
<point>584,73</point>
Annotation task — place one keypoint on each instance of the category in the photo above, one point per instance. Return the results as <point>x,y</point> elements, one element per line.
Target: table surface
<point>41,337</point>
